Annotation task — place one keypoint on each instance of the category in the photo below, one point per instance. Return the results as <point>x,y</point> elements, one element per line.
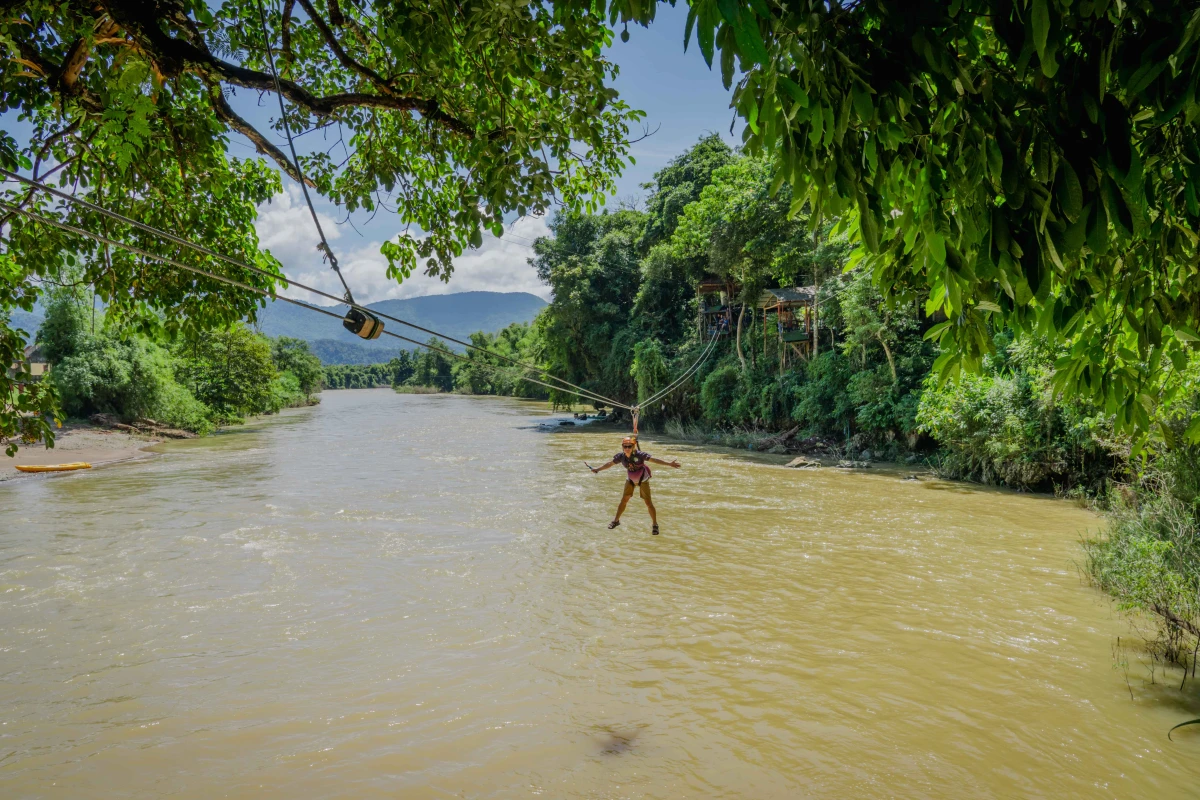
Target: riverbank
<point>80,442</point>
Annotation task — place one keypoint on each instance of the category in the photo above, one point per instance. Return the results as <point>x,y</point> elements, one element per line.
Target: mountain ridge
<point>457,315</point>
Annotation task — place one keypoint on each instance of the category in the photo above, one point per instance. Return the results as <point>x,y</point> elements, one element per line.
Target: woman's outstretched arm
<point>653,460</point>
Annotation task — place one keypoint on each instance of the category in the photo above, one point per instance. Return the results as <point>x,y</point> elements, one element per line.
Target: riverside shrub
<point>1148,558</point>
<point>1006,425</point>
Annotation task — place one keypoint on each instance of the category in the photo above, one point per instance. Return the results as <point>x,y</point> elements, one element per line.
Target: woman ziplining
<point>637,474</point>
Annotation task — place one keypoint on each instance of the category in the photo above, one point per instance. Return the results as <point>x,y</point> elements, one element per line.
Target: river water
<point>412,596</point>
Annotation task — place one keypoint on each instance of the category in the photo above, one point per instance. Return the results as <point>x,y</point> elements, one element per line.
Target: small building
<point>795,321</point>
<point>717,299</point>
<point>33,357</point>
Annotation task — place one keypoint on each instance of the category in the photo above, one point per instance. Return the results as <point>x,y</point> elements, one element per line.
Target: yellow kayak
<point>53,467</point>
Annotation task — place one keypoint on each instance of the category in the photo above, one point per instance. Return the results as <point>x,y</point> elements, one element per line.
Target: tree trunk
<point>813,334</point>
<point>741,356</point>
<point>887,351</point>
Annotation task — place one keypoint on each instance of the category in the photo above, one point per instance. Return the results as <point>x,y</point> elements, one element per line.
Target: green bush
<point>823,406</point>
<point>231,372</point>
<point>433,368</point>
<point>109,374</point>
<point>1149,556</point>
<point>1005,425</point>
<point>287,392</point>
<point>65,325</point>
<point>719,392</point>
<point>131,378</point>
<point>293,356</point>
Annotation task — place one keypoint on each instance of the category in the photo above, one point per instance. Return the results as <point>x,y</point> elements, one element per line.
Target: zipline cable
<point>577,390</point>
<point>287,130</point>
<point>662,393</point>
<point>265,293</point>
<point>118,217</point>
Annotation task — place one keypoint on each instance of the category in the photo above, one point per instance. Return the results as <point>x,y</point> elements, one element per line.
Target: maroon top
<point>635,465</point>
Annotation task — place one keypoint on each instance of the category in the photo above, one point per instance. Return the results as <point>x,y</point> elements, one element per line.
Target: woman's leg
<point>644,488</point>
<point>628,493</point>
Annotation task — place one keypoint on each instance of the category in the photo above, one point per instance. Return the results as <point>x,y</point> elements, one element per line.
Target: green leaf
<point>705,34</point>
<point>1185,334</point>
<point>937,331</point>
<point>1118,210</point>
<point>988,305</point>
<point>816,129</point>
<point>1192,434</point>
<point>1145,75</point>
<point>687,30</point>
<point>1040,23</point>
<point>867,223</point>
<point>1097,232</point>
<point>1182,724</point>
<point>749,39</point>
<point>1070,193</point>
<point>995,160</point>
<point>727,65</point>
<point>794,90</point>
<point>862,104</point>
<point>1074,237</point>
<point>937,247</point>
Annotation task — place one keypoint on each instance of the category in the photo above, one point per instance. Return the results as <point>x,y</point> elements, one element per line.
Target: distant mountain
<point>331,351</point>
<point>458,315</point>
<point>28,322</point>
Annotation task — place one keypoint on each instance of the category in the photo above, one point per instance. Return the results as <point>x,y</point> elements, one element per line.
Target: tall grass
<point>406,389</point>
<point>697,433</point>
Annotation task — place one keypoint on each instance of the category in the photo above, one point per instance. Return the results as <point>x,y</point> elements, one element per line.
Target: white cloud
<point>499,265</point>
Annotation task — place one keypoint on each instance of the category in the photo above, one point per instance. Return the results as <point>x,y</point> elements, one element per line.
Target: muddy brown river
<point>396,596</point>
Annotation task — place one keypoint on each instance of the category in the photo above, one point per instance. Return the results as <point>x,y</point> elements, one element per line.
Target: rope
<point>325,248</point>
<point>265,293</point>
<point>571,387</point>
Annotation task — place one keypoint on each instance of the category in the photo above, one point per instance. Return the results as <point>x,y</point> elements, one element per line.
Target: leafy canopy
<point>448,115</point>
<point>1029,163</point>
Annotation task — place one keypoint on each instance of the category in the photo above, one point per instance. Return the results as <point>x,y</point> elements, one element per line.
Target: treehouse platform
<point>718,306</point>
<point>794,313</point>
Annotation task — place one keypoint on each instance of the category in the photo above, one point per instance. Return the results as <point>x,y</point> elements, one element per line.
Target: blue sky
<point>683,101</point>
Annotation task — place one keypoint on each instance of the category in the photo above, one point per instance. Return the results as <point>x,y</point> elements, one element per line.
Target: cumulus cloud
<point>499,265</point>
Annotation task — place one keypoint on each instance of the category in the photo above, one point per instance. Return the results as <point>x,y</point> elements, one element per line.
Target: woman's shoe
<point>654,530</point>
<point>614,524</point>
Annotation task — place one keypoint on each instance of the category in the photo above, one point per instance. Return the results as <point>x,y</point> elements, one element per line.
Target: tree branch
<point>54,73</point>
<point>230,117</point>
<point>285,31</point>
<point>77,56</point>
<point>342,56</point>
<point>335,14</point>
<point>176,56</point>
<point>1173,618</point>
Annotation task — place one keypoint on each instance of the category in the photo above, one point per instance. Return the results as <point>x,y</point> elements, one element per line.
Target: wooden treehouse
<point>795,321</point>
<point>718,306</point>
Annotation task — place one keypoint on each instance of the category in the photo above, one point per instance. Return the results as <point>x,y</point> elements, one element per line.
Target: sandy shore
<point>73,443</point>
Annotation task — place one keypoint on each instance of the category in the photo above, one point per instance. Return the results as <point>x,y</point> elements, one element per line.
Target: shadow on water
<point>613,741</point>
